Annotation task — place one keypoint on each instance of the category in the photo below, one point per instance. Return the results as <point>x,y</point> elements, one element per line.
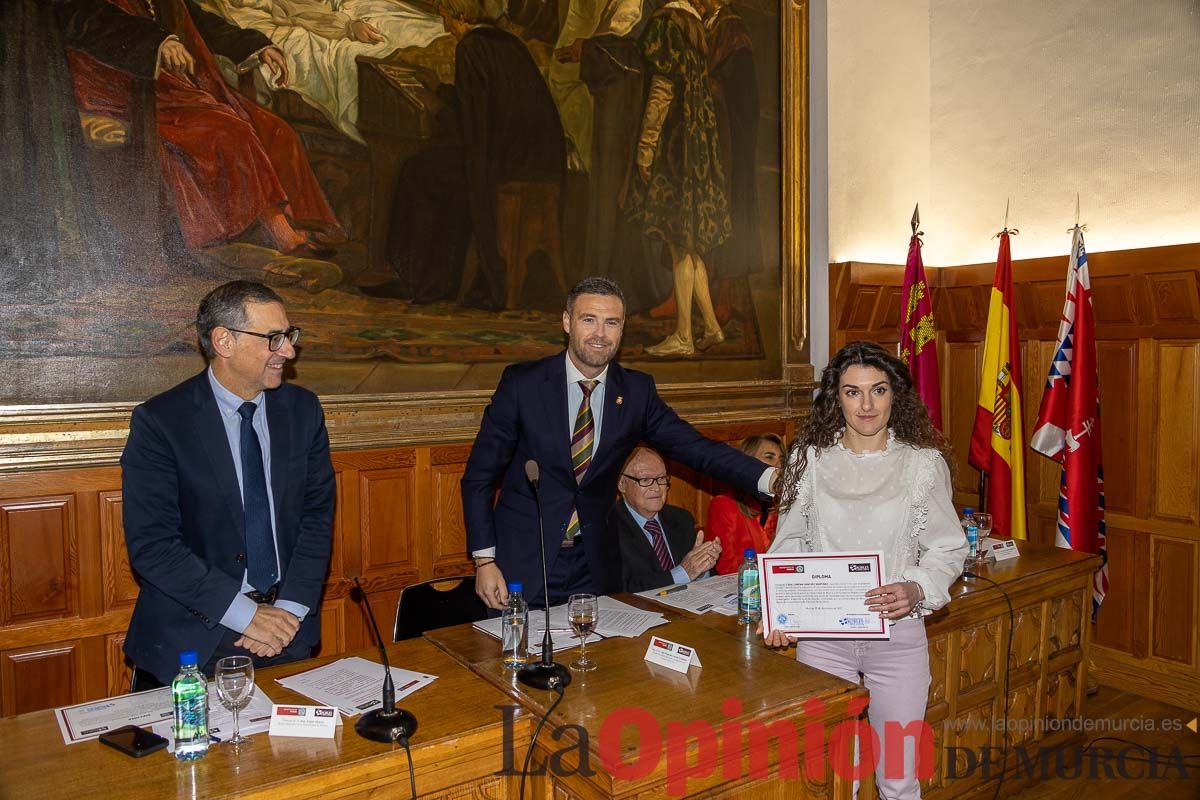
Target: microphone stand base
<point>390,727</point>
<point>544,676</point>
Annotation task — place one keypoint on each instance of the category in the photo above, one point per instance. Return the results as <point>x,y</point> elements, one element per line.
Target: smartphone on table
<point>133,741</point>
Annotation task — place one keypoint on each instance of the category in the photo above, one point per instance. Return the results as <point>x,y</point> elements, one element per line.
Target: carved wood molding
<point>1151,292</point>
<point>47,437</point>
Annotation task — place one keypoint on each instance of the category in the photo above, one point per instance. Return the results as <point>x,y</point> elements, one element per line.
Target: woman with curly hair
<point>739,520</point>
<point>870,472</point>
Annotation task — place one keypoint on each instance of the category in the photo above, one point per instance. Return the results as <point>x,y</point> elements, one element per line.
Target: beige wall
<point>878,62</point>
<point>1022,99</point>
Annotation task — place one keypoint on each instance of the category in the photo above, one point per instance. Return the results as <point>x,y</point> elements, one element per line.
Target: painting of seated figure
<point>422,180</point>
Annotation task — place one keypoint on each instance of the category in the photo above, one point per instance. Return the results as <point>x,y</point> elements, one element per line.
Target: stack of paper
<point>718,593</point>
<point>353,685</point>
<point>621,619</point>
<point>613,618</point>
<point>86,721</point>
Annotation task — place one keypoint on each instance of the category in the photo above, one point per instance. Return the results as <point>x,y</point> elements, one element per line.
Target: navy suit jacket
<point>527,419</point>
<point>640,569</point>
<point>184,524</point>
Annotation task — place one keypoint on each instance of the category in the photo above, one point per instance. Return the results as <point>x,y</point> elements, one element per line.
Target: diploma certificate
<point>821,595</point>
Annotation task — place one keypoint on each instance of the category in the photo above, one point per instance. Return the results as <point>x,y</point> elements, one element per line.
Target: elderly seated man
<point>659,543</point>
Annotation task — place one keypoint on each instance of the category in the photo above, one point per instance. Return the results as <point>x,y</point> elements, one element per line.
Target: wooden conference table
<point>646,731</point>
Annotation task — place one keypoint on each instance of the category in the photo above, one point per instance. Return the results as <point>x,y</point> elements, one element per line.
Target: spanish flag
<point>997,443</point>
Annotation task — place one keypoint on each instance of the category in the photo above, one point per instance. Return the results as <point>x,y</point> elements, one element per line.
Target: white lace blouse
<point>897,500</point>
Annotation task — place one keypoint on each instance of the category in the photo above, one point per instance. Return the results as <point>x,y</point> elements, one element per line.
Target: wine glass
<point>983,524</point>
<point>235,686</point>
<point>582,613</point>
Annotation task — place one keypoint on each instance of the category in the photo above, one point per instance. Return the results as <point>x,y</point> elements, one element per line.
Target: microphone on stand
<point>544,674</point>
<point>387,724</point>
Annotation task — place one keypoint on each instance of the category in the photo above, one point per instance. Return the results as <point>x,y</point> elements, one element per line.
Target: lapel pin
<point>620,399</point>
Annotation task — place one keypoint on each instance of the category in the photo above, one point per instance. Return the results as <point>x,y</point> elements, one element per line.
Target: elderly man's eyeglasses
<point>274,340</point>
<point>646,483</point>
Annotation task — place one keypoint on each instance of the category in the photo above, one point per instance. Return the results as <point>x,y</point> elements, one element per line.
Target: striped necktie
<point>583,436</point>
<point>659,543</point>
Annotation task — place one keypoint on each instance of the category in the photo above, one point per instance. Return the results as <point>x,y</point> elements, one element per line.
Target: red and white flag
<point>1068,425</point>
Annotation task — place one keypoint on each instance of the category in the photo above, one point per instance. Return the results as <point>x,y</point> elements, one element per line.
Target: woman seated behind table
<point>869,472</point>
<point>739,520</point>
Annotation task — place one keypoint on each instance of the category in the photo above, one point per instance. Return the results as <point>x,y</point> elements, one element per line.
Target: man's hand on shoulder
<point>272,627</point>
<point>702,557</point>
<point>490,586</point>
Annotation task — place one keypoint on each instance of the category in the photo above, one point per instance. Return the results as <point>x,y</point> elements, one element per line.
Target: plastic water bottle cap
<point>516,587</point>
<point>188,658</point>
<point>749,553</point>
<point>968,511</point>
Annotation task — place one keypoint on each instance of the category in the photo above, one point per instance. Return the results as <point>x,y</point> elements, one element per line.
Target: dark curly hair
<point>909,418</point>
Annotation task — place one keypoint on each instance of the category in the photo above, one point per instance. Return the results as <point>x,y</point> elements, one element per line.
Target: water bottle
<point>972,532</point>
<point>190,693</point>
<point>514,624</point>
<point>749,602</point>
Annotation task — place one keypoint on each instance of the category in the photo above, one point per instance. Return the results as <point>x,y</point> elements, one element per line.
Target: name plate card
<point>671,655</point>
<point>312,722</point>
<point>1001,549</point>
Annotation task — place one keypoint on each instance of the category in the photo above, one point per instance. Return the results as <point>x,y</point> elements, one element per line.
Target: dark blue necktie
<point>261,565</point>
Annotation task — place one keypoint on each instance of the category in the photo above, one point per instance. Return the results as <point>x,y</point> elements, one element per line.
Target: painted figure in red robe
<point>227,162</point>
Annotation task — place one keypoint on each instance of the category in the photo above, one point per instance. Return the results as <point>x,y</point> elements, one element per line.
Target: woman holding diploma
<point>869,472</point>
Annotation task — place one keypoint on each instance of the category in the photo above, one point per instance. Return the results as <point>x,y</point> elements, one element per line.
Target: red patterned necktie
<point>583,436</point>
<point>659,542</point>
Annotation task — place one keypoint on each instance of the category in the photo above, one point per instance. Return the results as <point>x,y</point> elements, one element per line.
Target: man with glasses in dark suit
<point>659,543</point>
<point>228,497</point>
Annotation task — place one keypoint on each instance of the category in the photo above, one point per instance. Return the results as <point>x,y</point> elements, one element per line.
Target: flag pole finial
<point>1008,230</point>
<point>1077,227</point>
<point>916,219</point>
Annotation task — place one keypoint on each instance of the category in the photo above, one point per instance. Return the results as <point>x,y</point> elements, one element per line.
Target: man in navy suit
<point>578,414</point>
<point>228,496</point>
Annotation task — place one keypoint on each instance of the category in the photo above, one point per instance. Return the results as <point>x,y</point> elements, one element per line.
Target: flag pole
<point>1006,229</point>
<point>983,476</point>
<point>918,332</point>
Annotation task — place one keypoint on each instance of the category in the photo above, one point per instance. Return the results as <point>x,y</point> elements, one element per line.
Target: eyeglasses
<point>646,483</point>
<point>274,340</point>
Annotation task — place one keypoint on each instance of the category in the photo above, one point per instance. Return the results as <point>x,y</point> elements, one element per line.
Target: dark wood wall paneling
<point>66,588</point>
<point>1147,306</point>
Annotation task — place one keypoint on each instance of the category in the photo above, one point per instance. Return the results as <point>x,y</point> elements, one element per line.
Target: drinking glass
<point>983,524</point>
<point>583,612</point>
<point>235,686</point>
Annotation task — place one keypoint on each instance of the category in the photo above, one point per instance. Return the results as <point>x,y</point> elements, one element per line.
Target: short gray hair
<point>225,307</point>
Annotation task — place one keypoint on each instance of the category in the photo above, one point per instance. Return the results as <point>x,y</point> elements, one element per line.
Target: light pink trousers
<point>896,674</point>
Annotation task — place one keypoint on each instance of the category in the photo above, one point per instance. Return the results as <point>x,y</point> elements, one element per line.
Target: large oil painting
<point>421,180</point>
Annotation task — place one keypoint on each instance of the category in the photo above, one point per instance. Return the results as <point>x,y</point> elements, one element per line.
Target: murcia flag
<point>997,443</point>
<point>1068,425</point>
<point>918,335</point>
